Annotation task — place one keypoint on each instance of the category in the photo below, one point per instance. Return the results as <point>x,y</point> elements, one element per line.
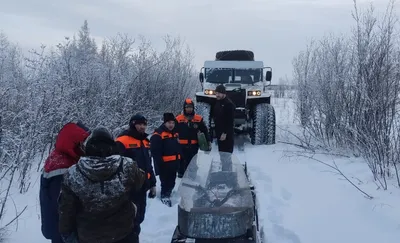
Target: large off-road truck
<point>245,82</point>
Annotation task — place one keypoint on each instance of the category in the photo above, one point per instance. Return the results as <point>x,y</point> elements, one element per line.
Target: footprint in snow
<point>263,187</point>
<point>265,180</point>
<point>275,217</point>
<point>286,194</point>
<point>255,173</point>
<point>286,234</point>
<point>276,202</point>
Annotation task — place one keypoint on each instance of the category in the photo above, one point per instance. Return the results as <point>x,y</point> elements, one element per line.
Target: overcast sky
<point>276,30</point>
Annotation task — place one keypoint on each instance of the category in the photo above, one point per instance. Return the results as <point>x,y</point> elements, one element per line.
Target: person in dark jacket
<point>224,115</point>
<point>133,143</point>
<point>166,153</point>
<point>95,204</point>
<point>68,149</point>
<point>188,126</point>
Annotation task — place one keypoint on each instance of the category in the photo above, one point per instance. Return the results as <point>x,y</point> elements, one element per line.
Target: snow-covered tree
<point>349,90</point>
<point>77,80</point>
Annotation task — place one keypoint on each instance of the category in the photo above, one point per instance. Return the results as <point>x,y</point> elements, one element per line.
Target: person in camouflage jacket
<point>95,204</point>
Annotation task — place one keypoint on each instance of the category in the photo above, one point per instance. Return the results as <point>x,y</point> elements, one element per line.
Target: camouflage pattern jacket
<point>94,202</point>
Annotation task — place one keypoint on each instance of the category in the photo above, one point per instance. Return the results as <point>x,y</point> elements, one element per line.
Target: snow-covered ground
<point>301,200</point>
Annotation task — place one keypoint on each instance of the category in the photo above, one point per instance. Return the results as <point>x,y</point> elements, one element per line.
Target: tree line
<point>348,90</point>
<point>78,79</point>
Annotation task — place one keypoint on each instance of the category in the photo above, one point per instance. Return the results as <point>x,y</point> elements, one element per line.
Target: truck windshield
<point>228,75</point>
<point>219,75</point>
<point>248,76</point>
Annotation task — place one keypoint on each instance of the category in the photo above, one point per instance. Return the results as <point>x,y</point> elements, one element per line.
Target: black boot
<point>166,200</point>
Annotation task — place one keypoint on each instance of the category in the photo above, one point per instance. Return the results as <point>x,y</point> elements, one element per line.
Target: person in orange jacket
<point>133,143</point>
<point>189,125</point>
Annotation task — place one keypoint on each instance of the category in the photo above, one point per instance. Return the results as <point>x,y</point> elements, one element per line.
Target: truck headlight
<point>209,92</point>
<point>254,93</point>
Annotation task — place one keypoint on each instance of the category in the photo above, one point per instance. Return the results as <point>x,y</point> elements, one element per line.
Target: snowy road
<point>304,201</point>
<point>301,201</point>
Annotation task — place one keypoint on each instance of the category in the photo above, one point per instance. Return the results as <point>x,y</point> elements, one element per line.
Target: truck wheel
<point>204,110</point>
<point>258,130</point>
<point>270,124</point>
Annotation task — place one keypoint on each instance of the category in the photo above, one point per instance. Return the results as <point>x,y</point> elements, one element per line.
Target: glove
<point>135,207</point>
<point>152,192</point>
<point>70,238</point>
<point>223,137</point>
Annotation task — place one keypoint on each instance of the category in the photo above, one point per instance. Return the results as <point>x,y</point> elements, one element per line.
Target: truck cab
<point>245,82</point>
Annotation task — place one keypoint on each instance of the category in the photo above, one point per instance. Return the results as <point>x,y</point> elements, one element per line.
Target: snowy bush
<point>348,90</point>
<point>80,80</point>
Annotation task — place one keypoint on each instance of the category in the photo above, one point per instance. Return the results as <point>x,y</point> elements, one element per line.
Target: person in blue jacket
<point>166,152</point>
<point>133,143</point>
<point>68,150</point>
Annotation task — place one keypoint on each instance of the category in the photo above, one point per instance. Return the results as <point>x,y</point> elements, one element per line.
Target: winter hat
<point>100,143</point>
<point>188,103</point>
<point>70,138</point>
<point>138,119</point>
<point>220,89</point>
<point>168,117</point>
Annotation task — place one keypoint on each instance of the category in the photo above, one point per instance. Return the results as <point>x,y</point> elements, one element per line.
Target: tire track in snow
<point>271,206</point>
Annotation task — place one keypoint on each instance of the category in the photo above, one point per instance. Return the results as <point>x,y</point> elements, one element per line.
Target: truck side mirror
<point>201,77</point>
<point>268,76</point>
